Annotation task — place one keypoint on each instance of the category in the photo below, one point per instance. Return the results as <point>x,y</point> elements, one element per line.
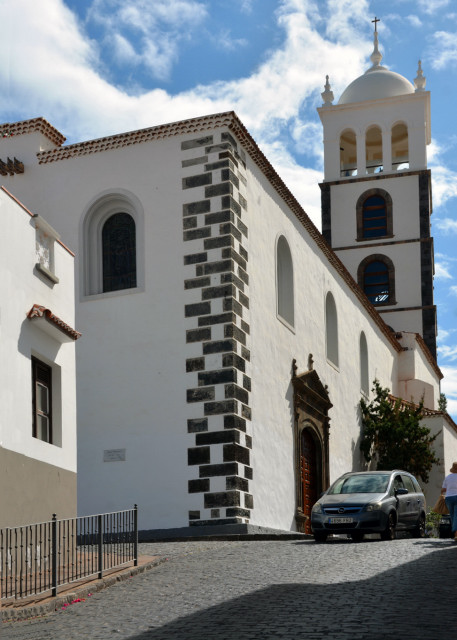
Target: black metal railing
<point>41,557</point>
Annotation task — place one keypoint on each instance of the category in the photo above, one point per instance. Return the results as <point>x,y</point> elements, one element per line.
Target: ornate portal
<point>311,437</point>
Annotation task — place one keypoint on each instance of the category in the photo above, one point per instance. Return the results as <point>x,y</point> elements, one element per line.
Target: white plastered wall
<point>131,364</point>
<point>274,346</point>
<point>20,338</point>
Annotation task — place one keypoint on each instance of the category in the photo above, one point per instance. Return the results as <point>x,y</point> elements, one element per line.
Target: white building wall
<point>404,192</point>
<point>21,286</point>
<point>20,289</point>
<point>445,447</point>
<point>274,346</point>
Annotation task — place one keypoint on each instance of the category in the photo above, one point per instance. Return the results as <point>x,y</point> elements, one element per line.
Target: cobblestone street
<point>263,590</point>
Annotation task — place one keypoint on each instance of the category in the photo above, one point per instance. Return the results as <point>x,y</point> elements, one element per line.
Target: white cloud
<point>444,334</point>
<point>414,21</point>
<point>152,30</point>
<point>224,40</point>
<point>431,6</point>
<point>52,68</point>
<point>344,16</point>
<point>444,182</point>
<point>444,50</point>
<point>449,388</point>
<point>442,271</point>
<point>448,225</point>
<point>453,290</point>
<point>447,352</point>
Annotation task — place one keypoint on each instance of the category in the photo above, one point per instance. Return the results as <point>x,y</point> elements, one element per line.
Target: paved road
<point>269,590</point>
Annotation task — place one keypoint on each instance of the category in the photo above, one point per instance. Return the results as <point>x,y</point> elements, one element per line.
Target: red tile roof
<point>10,129</point>
<point>39,311</point>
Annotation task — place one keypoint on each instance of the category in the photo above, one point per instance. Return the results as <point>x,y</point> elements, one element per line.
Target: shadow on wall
<point>395,604</point>
<point>358,461</point>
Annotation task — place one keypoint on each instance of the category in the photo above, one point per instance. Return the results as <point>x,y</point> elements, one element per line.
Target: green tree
<point>393,436</point>
<point>442,402</point>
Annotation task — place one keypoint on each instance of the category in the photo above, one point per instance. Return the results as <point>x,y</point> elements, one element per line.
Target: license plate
<point>340,520</point>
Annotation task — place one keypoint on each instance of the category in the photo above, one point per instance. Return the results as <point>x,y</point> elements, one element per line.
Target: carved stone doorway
<point>311,436</point>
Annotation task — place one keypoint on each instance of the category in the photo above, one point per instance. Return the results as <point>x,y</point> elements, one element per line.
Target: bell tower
<point>376,193</point>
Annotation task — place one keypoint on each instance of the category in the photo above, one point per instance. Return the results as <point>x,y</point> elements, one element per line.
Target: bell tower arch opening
<point>400,147</point>
<point>348,153</point>
<point>373,149</point>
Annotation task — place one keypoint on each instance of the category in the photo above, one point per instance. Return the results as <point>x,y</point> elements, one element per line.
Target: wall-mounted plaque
<point>114,455</point>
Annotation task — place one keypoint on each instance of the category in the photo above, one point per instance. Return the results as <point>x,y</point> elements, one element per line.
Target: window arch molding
<point>378,257</point>
<point>360,211</point>
<point>284,282</point>
<point>97,213</point>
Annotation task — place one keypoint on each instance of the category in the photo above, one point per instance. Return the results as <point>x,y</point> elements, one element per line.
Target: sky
<point>98,67</point>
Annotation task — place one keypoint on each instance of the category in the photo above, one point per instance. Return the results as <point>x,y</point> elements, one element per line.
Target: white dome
<point>377,82</point>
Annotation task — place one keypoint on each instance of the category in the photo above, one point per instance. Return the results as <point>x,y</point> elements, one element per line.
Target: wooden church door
<point>309,475</point>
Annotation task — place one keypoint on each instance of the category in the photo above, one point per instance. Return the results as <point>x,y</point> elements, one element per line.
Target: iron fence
<point>41,557</point>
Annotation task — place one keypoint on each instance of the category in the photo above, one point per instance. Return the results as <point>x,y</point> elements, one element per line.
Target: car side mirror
<point>401,492</point>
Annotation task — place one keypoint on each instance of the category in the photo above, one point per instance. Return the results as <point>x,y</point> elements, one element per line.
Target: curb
<point>36,610</point>
<point>230,537</point>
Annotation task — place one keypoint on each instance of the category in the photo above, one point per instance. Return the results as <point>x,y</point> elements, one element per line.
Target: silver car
<point>370,502</point>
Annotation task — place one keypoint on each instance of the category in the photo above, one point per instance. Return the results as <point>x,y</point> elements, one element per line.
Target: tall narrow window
<point>374,214</point>
<point>284,282</point>
<point>331,329</point>
<point>364,383</point>
<point>42,400</point>
<point>373,146</point>
<point>400,148</point>
<point>376,282</point>
<point>376,276</point>
<point>348,154</point>
<point>119,252</point>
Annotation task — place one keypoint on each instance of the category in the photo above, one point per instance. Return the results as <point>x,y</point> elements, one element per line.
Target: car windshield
<point>360,484</point>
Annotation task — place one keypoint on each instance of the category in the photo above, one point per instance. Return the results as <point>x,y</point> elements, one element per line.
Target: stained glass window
<point>119,252</point>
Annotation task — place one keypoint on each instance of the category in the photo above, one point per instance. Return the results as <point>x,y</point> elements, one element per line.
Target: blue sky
<point>98,67</point>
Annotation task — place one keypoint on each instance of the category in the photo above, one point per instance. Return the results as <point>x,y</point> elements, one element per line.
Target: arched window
<point>376,276</point>
<point>112,245</point>
<point>373,147</point>
<point>364,383</point>
<point>400,148</point>
<point>348,153</point>
<point>374,215</point>
<point>284,281</point>
<point>119,252</point>
<point>331,329</point>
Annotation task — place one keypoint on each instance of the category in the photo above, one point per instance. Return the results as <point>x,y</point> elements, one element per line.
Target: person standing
<point>449,490</point>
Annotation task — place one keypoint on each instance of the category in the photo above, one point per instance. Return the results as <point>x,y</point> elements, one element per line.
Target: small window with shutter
<point>42,400</point>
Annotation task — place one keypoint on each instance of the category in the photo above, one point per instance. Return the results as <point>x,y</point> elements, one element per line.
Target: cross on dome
<point>376,56</point>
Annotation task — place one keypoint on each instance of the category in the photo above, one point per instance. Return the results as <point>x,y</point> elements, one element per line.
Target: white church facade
<point>227,342</point>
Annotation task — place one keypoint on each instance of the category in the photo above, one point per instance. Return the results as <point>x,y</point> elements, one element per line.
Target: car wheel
<point>389,532</point>
<point>357,536</point>
<point>419,529</point>
<point>320,536</point>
